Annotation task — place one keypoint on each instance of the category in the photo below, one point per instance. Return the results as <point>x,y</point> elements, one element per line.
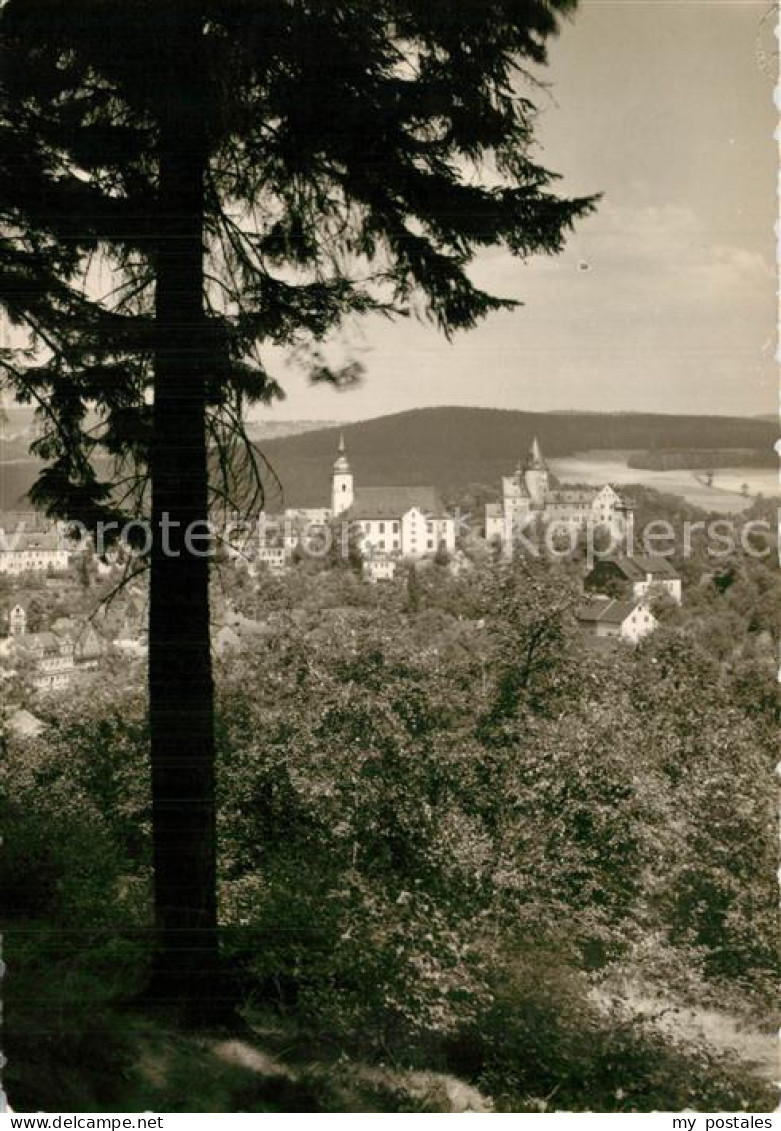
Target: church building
<point>391,522</point>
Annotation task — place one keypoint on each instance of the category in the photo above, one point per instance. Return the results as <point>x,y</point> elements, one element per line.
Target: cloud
<point>671,315</point>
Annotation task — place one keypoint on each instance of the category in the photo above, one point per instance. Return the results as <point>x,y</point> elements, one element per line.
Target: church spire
<point>341,464</point>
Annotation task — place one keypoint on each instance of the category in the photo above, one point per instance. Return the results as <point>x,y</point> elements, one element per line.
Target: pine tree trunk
<point>180,677</point>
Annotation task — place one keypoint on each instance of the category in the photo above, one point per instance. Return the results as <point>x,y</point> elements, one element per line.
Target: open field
<point>596,467</point>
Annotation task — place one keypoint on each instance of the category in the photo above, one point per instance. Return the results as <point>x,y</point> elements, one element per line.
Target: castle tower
<point>536,474</point>
<point>341,481</point>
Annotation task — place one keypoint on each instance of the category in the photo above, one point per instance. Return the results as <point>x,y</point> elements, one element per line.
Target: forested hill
<point>451,448</point>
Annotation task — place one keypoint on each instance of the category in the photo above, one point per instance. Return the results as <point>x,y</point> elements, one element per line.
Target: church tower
<point>536,475</point>
<point>341,482</point>
<point>17,621</point>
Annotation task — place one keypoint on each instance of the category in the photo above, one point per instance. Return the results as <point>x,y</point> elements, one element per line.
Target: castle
<point>528,495</point>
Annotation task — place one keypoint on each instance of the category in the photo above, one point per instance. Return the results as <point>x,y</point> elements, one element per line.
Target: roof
<point>535,458</point>
<point>572,495</point>
<point>64,626</point>
<point>23,724</point>
<point>18,543</point>
<point>39,641</point>
<point>226,639</point>
<point>393,502</point>
<point>652,564</point>
<point>635,568</point>
<point>606,610</point>
<point>87,640</point>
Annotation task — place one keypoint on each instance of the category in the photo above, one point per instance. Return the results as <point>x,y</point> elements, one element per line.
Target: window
<point>430,544</point>
<point>429,527</point>
<point>395,543</point>
<point>395,527</point>
<point>382,528</point>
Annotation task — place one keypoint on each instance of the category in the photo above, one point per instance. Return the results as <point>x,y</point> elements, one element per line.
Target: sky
<point>665,299</point>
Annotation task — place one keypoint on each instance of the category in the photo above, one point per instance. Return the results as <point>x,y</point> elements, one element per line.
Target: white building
<point>400,522</point>
<point>55,661</point>
<point>17,621</point>
<point>644,575</point>
<point>527,495</point>
<point>131,645</point>
<point>273,558</point>
<point>32,553</point>
<point>390,522</point>
<point>405,522</point>
<point>607,617</point>
<point>379,569</point>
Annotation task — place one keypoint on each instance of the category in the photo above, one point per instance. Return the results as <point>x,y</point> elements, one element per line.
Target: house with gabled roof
<point>608,617</point>
<point>50,656</point>
<point>88,645</point>
<point>52,659</point>
<point>639,575</point>
<point>21,722</point>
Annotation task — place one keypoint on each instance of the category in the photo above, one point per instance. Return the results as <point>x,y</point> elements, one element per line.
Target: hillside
<point>454,447</point>
<point>276,429</point>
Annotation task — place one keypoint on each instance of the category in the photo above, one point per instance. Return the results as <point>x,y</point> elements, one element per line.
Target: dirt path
<point>722,1031</point>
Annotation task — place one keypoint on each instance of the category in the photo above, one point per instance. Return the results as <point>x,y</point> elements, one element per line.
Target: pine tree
<point>244,175</point>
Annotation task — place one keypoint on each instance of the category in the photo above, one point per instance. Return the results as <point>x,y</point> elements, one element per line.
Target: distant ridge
<point>451,448</point>
<point>276,429</point>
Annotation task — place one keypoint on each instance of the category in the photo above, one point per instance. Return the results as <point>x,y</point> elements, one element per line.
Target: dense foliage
<point>443,829</point>
<point>667,460</point>
<point>186,190</point>
<point>461,448</point>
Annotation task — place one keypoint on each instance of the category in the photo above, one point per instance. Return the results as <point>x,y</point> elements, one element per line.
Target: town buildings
<point>387,523</point>
<point>529,496</point>
<point>48,657</point>
<point>53,657</point>
<point>36,552</point>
